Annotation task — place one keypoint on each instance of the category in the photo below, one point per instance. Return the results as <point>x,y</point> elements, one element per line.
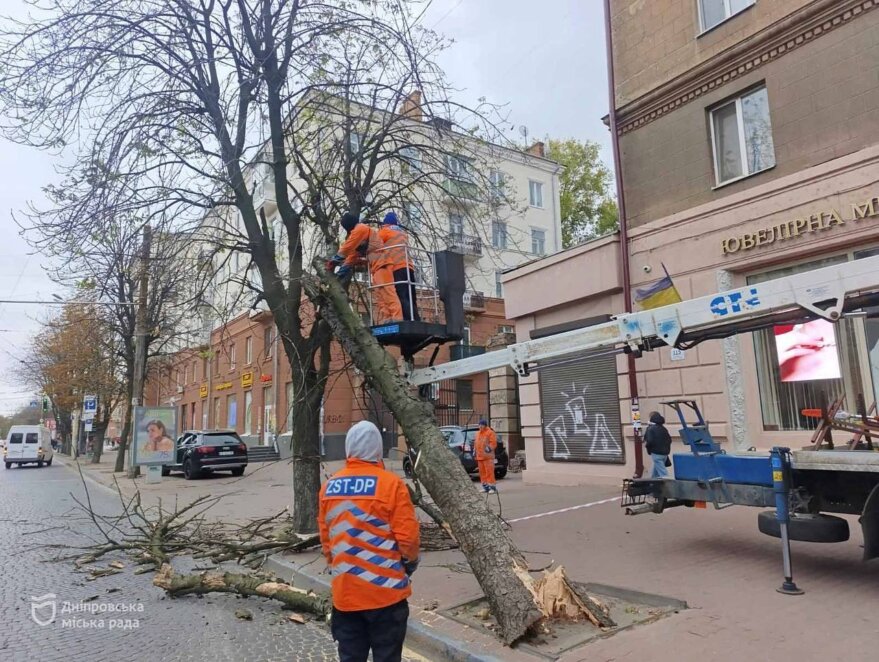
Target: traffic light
<point>45,403</point>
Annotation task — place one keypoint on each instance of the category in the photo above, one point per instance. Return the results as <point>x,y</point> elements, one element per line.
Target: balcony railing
<point>458,352</point>
<point>474,300</point>
<point>264,194</point>
<point>465,244</point>
<point>461,188</point>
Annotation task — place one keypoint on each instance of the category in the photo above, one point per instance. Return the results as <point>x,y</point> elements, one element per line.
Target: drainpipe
<point>624,230</point>
<point>276,384</point>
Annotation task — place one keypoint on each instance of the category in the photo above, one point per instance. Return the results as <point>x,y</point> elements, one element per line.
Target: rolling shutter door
<point>580,408</point>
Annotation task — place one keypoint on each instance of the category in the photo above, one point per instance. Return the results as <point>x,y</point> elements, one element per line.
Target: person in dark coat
<point>658,443</point>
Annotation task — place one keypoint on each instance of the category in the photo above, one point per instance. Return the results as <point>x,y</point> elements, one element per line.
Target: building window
<point>783,394</point>
<point>456,225</point>
<point>466,336</point>
<point>715,12</point>
<point>506,328</point>
<point>267,342</point>
<point>194,371</point>
<point>742,136</point>
<point>248,412</point>
<point>185,375</point>
<point>496,183</point>
<point>204,368</point>
<point>355,141</point>
<point>538,241</point>
<point>288,421</point>
<point>498,285</point>
<point>464,393</point>
<point>231,412</point>
<point>498,234</point>
<point>412,213</point>
<point>232,356</point>
<point>457,167</point>
<point>218,423</point>
<point>411,159</point>
<point>535,194</point>
<point>248,350</point>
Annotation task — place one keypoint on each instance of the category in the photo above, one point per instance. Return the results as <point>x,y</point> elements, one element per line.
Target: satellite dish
<point>523,131</point>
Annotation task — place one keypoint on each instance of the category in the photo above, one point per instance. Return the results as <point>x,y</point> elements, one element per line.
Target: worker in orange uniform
<point>363,242</point>
<point>486,444</point>
<point>370,538</point>
<point>396,242</point>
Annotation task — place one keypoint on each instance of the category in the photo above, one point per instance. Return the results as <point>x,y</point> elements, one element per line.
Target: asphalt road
<point>127,615</point>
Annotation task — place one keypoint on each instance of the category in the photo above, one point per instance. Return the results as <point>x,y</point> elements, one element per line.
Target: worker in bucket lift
<point>396,242</point>
<point>364,243</point>
<point>370,537</point>
<point>486,443</point>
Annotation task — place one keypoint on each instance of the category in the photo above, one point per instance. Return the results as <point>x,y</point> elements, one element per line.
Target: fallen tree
<point>517,601</point>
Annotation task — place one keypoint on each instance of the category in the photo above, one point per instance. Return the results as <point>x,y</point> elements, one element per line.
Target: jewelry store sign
<point>817,222</point>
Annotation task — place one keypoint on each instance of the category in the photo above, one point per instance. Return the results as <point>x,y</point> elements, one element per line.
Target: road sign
<point>34,404</point>
<point>88,426</point>
<point>89,407</point>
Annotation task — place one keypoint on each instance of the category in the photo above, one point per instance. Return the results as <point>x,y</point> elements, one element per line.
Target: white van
<point>28,444</point>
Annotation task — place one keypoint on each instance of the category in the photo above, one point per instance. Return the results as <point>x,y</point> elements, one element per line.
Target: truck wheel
<point>49,463</point>
<point>166,470</point>
<point>500,472</point>
<point>805,527</point>
<point>9,465</point>
<point>407,467</point>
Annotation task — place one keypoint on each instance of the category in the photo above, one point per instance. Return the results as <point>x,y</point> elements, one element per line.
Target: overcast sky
<point>546,60</point>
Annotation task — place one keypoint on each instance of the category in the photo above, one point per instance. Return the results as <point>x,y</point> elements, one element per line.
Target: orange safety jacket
<point>367,527</point>
<point>485,439</point>
<point>396,243</point>
<point>364,239</point>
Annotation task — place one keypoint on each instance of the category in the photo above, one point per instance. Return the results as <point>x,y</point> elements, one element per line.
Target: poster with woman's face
<point>807,351</point>
<point>155,429</point>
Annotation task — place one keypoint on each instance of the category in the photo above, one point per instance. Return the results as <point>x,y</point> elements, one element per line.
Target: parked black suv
<point>461,442</point>
<point>201,451</point>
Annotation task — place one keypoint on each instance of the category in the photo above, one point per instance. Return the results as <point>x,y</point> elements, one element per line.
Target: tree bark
<point>247,585</point>
<point>499,567</point>
<point>305,440</point>
<point>126,429</point>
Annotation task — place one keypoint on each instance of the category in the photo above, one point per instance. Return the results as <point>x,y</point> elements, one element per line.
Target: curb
<point>419,636</point>
<point>70,463</point>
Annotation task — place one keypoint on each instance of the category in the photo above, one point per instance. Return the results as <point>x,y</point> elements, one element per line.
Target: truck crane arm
<point>828,293</point>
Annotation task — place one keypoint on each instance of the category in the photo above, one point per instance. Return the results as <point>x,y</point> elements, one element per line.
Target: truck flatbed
<point>855,461</point>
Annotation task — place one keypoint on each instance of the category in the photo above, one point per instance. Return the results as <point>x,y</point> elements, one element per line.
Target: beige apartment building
<point>748,137</point>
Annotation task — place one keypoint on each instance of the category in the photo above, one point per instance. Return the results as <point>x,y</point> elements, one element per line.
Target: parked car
<point>204,451</point>
<point>28,444</point>
<point>461,441</point>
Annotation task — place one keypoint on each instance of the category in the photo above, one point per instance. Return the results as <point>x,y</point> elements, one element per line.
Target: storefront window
<point>289,418</point>
<point>783,400</point>
<point>248,412</point>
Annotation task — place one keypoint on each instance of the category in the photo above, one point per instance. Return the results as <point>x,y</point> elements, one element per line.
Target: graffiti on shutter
<point>580,409</point>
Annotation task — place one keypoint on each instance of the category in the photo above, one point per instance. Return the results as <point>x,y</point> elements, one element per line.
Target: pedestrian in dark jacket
<point>658,443</point>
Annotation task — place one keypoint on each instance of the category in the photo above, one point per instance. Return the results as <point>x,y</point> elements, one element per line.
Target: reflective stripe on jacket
<point>485,439</point>
<point>396,243</point>
<point>364,241</point>
<point>367,528</point>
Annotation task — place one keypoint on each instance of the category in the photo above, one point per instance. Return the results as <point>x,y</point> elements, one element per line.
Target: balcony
<point>474,301</point>
<point>458,352</point>
<point>467,245</point>
<point>461,189</point>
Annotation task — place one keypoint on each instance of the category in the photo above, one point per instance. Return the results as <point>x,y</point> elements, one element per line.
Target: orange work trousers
<point>387,303</point>
<point>486,471</point>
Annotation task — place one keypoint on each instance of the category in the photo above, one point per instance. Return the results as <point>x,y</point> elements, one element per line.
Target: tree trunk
<point>499,567</point>
<point>126,429</point>
<point>305,440</point>
<point>99,432</point>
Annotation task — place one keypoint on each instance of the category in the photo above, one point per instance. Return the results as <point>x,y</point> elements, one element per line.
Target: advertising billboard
<point>155,429</point>
<point>807,351</point>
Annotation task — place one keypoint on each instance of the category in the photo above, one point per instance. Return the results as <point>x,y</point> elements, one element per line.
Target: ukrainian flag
<point>659,293</point>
